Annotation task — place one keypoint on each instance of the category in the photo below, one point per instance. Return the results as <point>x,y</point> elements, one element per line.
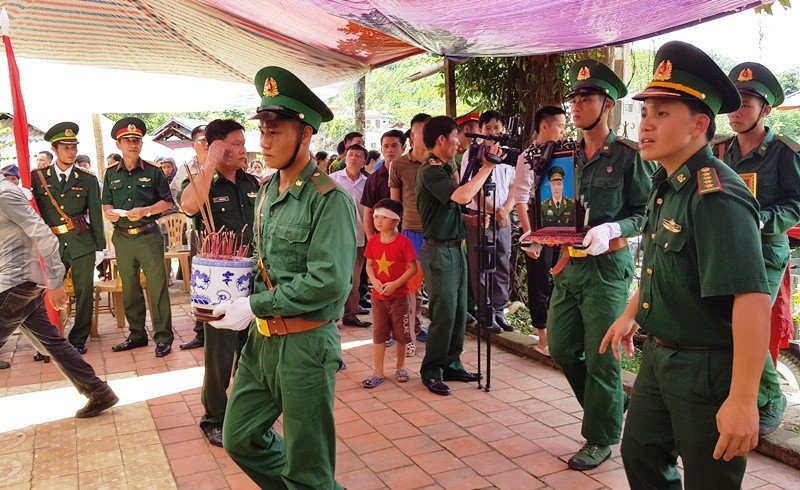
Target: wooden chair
<point>114,289</point>
<point>175,226</point>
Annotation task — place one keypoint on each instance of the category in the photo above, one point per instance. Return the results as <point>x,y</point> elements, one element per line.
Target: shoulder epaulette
<point>708,181</point>
<point>789,142</point>
<point>157,165</point>
<point>718,140</point>
<point>633,145</point>
<point>86,171</point>
<point>322,182</point>
<point>113,165</point>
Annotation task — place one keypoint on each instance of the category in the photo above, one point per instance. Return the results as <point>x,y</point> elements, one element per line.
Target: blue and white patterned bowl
<point>216,280</point>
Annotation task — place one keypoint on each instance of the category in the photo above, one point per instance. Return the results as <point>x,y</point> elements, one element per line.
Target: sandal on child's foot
<point>371,382</point>
<point>402,375</point>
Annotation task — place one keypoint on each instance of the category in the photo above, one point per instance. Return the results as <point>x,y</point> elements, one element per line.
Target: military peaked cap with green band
<point>556,173</point>
<point>63,132</point>
<point>283,94</point>
<point>684,71</point>
<point>128,126</point>
<point>756,79</point>
<point>593,77</point>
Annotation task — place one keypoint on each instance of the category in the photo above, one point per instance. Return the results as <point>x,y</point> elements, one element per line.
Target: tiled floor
<point>398,436</point>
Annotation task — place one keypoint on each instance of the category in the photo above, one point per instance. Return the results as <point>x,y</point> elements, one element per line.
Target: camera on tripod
<point>510,142</point>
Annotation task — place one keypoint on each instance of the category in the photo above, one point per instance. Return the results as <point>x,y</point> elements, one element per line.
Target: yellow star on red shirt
<point>383,264</point>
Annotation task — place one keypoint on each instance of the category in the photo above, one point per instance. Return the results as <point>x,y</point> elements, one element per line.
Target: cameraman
<point>498,208</point>
<point>439,200</point>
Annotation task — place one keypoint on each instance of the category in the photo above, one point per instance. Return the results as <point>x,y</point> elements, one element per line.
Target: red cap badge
<point>584,73</point>
<point>663,71</point>
<point>270,87</point>
<point>745,75</point>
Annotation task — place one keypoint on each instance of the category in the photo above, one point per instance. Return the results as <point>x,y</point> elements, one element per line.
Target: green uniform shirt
<point>776,161</point>
<point>80,196</point>
<point>699,251</point>
<point>142,186</point>
<point>232,204</point>
<point>615,184</point>
<point>311,278</point>
<point>558,215</point>
<point>441,217</point>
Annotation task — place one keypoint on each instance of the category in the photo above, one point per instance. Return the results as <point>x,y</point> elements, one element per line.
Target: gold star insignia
<point>383,265</point>
<point>681,178</point>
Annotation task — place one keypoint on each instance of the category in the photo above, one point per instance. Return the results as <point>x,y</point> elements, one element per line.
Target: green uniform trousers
<point>293,375</point>
<point>221,354</point>
<point>445,272</point>
<point>588,295</point>
<point>673,412</point>
<point>776,259</point>
<point>145,253</point>
<point>83,280</point>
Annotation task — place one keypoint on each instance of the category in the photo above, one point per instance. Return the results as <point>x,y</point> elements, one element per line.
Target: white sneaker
<point>411,349</point>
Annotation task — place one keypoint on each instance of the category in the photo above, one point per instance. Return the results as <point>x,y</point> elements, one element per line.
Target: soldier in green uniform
<point>135,193</point>
<point>68,198</point>
<point>444,256</point>
<point>231,194</point>
<point>557,210</point>
<point>771,162</point>
<point>289,363</point>
<point>703,299</point>
<point>592,289</point>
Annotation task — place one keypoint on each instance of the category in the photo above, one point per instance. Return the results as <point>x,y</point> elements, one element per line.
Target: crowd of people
<point>408,224</point>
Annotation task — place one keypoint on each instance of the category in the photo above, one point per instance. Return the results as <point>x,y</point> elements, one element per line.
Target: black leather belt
<point>676,346</point>
<point>443,243</point>
<point>141,230</point>
<point>774,238</point>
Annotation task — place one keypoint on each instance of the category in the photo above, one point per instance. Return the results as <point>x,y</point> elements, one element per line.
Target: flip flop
<point>371,382</point>
<point>402,375</point>
<point>544,352</point>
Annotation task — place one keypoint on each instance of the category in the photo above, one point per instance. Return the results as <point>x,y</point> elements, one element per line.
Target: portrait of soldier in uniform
<point>558,209</point>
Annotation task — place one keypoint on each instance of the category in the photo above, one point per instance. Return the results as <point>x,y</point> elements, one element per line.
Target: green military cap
<point>756,79</point>
<point>63,132</point>
<point>128,126</point>
<point>684,71</point>
<point>593,77</point>
<point>283,94</point>
<point>556,173</point>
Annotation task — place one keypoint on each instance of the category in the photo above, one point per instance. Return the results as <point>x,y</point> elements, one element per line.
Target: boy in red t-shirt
<point>391,262</point>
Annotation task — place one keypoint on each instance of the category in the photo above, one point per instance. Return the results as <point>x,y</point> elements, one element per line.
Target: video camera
<point>510,142</point>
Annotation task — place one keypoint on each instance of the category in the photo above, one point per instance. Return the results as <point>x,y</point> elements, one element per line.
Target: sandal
<point>402,375</point>
<point>371,382</point>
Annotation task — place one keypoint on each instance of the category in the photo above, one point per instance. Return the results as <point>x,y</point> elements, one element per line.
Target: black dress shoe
<point>436,386</point>
<point>129,344</point>
<point>193,344</point>
<point>355,322</point>
<point>364,303</point>
<point>462,376</point>
<point>363,311</point>
<point>501,320</point>
<point>96,404</point>
<point>163,349</point>
<point>214,436</point>
<point>38,357</point>
<point>81,348</point>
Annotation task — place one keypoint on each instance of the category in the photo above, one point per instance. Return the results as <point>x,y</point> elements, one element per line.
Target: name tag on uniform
<point>76,188</point>
<point>550,212</point>
<point>144,179</point>
<point>221,199</point>
<point>116,181</point>
<point>252,195</point>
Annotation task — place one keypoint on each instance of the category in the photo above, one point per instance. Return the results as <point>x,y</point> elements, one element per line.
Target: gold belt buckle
<point>575,253</point>
<point>133,231</point>
<point>62,229</point>
<point>263,327</point>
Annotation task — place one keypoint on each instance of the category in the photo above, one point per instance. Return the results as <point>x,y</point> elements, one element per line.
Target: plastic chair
<point>175,226</point>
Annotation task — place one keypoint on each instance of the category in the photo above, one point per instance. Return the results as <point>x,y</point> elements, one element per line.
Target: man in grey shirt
<point>23,238</point>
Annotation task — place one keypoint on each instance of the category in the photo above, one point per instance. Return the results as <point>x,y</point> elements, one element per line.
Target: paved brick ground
<point>398,436</point>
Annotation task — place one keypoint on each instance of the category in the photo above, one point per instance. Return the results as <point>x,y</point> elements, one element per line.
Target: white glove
<point>98,257</point>
<point>238,314</point>
<point>597,238</point>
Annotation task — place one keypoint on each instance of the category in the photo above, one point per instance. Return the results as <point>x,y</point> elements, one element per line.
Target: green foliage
<point>789,80</point>
<point>154,120</point>
<point>767,9</point>
<point>5,143</point>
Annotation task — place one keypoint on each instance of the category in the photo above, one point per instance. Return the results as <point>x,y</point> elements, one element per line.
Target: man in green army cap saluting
<point>68,198</point>
<point>135,193</point>
<point>557,210</point>
<point>703,300</point>
<point>591,290</point>
<point>772,163</point>
<point>289,363</point>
